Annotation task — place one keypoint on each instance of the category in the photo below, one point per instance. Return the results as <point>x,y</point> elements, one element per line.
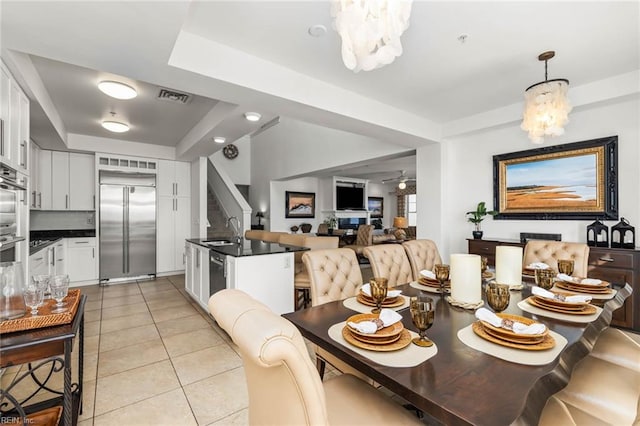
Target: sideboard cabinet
<point>614,265</point>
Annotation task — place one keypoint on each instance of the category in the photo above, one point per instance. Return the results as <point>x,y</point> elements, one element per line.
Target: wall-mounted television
<point>351,197</point>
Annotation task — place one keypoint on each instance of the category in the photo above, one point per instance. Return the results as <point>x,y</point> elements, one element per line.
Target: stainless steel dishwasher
<point>217,272</point>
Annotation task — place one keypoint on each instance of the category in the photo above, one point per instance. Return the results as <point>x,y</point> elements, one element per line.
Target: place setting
<point>383,338</point>
<point>436,281</point>
<point>376,295</point>
<point>510,337</point>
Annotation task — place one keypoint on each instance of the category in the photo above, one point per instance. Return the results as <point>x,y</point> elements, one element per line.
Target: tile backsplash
<point>48,220</point>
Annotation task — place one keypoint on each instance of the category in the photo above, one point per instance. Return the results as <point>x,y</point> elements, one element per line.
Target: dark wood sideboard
<point>614,265</point>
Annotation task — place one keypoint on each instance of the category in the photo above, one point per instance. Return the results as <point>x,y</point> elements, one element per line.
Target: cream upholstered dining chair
<point>333,275</point>
<point>550,252</point>
<point>422,254</point>
<point>302,295</point>
<point>284,388</point>
<point>389,261</point>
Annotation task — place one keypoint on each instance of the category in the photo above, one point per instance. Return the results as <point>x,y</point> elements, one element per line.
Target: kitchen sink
<point>217,243</point>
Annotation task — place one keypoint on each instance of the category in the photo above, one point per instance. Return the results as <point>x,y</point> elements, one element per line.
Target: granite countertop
<point>36,249</point>
<point>247,247</point>
<point>54,235</point>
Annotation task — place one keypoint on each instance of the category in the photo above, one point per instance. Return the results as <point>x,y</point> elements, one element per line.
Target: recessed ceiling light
<point>115,126</point>
<point>117,90</point>
<point>219,139</point>
<point>317,30</point>
<point>252,116</point>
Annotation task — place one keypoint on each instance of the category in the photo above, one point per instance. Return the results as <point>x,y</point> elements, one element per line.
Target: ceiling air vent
<point>173,96</point>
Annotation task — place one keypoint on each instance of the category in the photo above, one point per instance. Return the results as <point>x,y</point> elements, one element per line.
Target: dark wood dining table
<point>460,385</point>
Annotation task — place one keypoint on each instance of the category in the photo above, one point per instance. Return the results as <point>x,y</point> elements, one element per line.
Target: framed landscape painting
<point>375,205</point>
<point>571,181</point>
<point>300,204</point>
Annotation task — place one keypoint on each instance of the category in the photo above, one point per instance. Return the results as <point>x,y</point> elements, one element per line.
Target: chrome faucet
<point>236,229</point>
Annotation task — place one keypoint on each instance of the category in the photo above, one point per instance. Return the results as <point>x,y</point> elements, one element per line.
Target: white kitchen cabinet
<point>5,115</point>
<point>59,263</point>
<point>38,263</point>
<point>44,180</point>
<point>173,227</point>
<point>68,181</point>
<point>14,123</point>
<point>197,273</point>
<point>174,214</point>
<point>59,180</point>
<point>81,259</point>
<point>174,179</point>
<point>82,186</point>
<point>34,175</point>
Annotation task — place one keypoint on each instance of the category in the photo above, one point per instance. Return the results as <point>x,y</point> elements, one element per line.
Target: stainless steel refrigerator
<point>127,224</point>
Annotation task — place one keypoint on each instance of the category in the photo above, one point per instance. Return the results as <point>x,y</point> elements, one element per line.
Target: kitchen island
<point>263,270</point>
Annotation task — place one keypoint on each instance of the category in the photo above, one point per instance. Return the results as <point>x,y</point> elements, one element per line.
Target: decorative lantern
<point>598,234</point>
<point>623,235</point>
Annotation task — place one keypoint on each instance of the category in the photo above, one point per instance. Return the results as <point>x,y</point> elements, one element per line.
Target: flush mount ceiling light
<point>370,31</point>
<point>115,126</point>
<point>252,116</point>
<point>547,107</point>
<point>219,139</point>
<point>117,90</point>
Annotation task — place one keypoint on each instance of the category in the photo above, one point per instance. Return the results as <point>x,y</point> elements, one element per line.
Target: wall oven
<point>9,200</point>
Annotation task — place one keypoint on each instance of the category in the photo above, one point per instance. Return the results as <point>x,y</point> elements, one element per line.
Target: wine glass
<point>59,289</point>
<point>33,297</point>
<point>544,278</point>
<point>423,311</point>
<point>498,296</point>
<point>565,266</point>
<point>42,281</point>
<point>442,275</point>
<point>378,292</point>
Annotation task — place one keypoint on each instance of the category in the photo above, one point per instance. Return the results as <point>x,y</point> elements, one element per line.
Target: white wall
<point>238,169</point>
<point>467,176</point>
<point>199,198</point>
<point>275,218</point>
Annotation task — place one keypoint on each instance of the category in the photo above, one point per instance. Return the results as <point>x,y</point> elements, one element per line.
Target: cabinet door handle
<point>606,259</point>
<point>176,188</point>
<point>33,199</point>
<point>93,253</point>
<point>1,137</point>
<point>39,200</point>
<point>94,202</point>
<point>81,242</point>
<point>66,201</point>
<point>23,153</point>
<point>38,258</point>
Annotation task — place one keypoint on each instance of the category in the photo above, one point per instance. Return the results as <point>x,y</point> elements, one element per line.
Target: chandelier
<point>370,31</point>
<point>547,107</point>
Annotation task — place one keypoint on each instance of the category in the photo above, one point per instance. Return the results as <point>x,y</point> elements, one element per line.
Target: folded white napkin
<point>568,278</point>
<point>428,274</point>
<point>591,281</point>
<point>366,289</point>
<point>387,316</point>
<point>483,314</point>
<point>569,299</point>
<point>537,265</point>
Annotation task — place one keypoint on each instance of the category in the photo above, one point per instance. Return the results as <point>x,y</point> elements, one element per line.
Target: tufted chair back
<point>422,254</point>
<point>274,357</point>
<point>334,274</point>
<point>550,251</point>
<point>365,235</point>
<point>389,261</point>
<point>323,228</point>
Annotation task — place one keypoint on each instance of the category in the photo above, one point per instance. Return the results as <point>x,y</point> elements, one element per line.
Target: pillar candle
<point>466,280</point>
<point>509,265</point>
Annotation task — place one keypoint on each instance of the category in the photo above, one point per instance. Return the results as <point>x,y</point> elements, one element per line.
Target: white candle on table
<point>466,280</point>
<point>509,265</point>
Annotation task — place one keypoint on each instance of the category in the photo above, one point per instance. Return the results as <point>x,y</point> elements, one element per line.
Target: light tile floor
<point>154,357</point>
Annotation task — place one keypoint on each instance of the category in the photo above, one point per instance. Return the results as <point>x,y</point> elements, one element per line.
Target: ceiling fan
<point>402,179</point>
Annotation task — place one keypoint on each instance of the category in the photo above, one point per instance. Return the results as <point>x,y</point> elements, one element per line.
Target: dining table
<point>459,384</point>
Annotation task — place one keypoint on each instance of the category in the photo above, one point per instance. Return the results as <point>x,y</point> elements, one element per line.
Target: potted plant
<point>331,222</point>
<point>477,216</point>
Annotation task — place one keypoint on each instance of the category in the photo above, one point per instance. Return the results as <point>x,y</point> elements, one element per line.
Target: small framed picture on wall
<point>300,204</point>
<point>375,205</point>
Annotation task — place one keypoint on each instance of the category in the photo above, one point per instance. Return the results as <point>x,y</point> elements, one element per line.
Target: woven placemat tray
<point>45,317</point>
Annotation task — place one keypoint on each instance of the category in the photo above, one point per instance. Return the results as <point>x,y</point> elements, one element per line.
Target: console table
<point>47,349</point>
<point>609,264</point>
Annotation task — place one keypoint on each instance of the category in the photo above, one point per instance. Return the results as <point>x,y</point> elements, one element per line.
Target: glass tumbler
<point>11,289</point>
